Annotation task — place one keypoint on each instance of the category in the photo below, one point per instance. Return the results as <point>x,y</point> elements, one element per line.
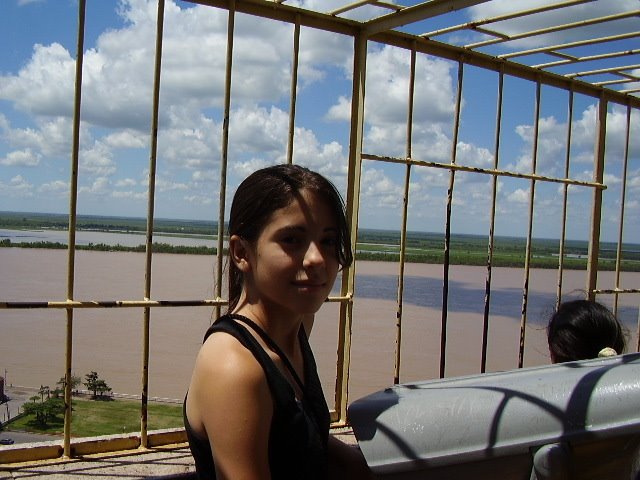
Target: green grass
<point>98,417</point>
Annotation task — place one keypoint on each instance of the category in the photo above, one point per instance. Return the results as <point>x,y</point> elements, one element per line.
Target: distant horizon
<point>364,228</point>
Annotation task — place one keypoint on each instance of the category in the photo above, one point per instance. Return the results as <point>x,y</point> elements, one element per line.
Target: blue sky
<point>36,98</point>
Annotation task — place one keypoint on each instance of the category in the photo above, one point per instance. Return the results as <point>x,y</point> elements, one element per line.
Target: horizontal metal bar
<point>130,303</point>
<point>473,25</point>
<point>616,290</point>
<point>604,70</point>
<point>578,43</point>
<point>557,28</point>
<point>572,59</point>
<point>487,171</point>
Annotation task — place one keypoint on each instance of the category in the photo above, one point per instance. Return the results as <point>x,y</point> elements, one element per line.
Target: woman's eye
<point>290,240</point>
<point>330,241</point>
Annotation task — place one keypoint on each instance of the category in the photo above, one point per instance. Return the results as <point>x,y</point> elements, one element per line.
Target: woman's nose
<point>313,256</point>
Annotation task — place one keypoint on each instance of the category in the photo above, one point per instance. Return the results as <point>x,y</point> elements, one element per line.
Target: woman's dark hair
<point>580,329</point>
<point>270,189</point>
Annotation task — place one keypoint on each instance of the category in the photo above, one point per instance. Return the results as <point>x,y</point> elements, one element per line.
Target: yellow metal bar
<point>153,154</point>
<point>578,43</point>
<point>224,160</point>
<point>487,171</point>
<point>615,291</point>
<point>73,203</point>
<point>447,236</point>
<point>527,257</point>
<point>500,18</point>
<point>352,208</point>
<point>418,12</point>
<point>73,304</point>
<point>599,71</point>
<point>293,91</point>
<point>623,190</point>
<point>596,208</point>
<point>588,58</point>
<point>492,225</point>
<point>403,228</point>
<point>556,28</point>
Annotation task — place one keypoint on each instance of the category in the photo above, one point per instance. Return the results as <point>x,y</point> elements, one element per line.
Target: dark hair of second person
<point>584,329</point>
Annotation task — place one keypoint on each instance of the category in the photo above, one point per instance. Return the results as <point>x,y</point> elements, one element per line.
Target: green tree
<point>44,390</point>
<point>96,384</point>
<point>75,383</point>
<point>43,411</point>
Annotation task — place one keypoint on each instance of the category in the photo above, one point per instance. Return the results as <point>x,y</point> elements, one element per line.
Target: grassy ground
<point>99,417</point>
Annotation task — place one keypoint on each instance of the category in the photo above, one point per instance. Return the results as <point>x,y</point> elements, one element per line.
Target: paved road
<point>26,437</point>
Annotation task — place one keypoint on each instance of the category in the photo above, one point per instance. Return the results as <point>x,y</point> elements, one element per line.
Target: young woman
<point>255,407</point>
<point>583,329</point>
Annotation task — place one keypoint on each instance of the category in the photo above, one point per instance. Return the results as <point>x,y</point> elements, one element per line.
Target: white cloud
<point>126,182</point>
<point>56,187</point>
<point>100,186</point>
<point>519,195</point>
<point>126,139</point>
<point>18,187</point>
<point>21,158</point>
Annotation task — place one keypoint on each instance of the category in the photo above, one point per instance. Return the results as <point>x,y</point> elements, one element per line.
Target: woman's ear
<point>239,253</point>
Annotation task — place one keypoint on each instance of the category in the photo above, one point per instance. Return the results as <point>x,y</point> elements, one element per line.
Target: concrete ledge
<point>32,452</point>
<point>27,452</point>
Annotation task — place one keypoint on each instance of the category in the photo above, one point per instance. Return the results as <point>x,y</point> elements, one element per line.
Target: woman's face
<point>293,263</point>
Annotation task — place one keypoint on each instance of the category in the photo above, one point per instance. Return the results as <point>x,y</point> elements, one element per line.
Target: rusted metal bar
<point>293,91</point>
<point>403,228</point>
<point>527,256</point>
<point>596,207</point>
<point>623,190</point>
<point>153,156</point>
<point>352,206</point>
<point>555,28</point>
<point>588,58</point>
<point>73,204</point>
<point>224,160</point>
<point>492,224</point>
<point>487,171</point>
<point>74,304</point>
<point>615,291</point>
<point>565,196</point>
<point>447,236</point>
<point>473,25</point>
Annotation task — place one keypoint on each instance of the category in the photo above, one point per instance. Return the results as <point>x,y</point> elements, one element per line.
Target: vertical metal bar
<point>153,154</point>
<point>225,153</point>
<point>293,90</point>
<point>565,196</point>
<point>403,230</point>
<point>527,257</point>
<point>492,224</point>
<point>596,212</point>
<point>73,204</point>
<point>352,207</point>
<point>447,237</point>
<point>623,191</point>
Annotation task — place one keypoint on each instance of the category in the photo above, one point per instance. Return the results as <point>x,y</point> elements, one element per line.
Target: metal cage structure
<point>590,69</point>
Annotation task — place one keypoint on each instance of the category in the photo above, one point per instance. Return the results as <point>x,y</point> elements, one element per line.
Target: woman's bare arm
<point>231,405</point>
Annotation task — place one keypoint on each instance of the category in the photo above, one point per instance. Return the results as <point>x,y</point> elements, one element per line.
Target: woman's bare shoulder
<point>223,356</point>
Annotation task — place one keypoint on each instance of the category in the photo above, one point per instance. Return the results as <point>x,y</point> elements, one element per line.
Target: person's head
<point>582,329</point>
<point>274,188</point>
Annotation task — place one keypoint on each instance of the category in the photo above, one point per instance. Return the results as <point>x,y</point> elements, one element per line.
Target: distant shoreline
<point>199,237</point>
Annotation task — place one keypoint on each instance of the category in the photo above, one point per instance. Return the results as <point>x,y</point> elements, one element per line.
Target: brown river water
<point>109,341</point>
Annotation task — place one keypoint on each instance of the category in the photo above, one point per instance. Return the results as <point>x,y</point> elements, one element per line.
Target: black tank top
<point>299,430</point>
